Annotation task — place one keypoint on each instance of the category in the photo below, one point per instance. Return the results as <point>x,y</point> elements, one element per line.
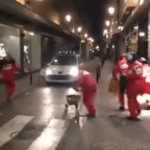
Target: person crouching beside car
<point>88,86</point>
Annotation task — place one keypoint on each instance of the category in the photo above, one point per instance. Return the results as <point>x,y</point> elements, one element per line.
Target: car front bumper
<point>60,79</point>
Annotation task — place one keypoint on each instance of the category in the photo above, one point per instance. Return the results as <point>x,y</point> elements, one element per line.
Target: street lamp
<point>85,35</point>
<point>120,28</point>
<point>79,29</point>
<point>97,47</point>
<point>105,31</point>
<point>91,39</point>
<point>135,27</point>
<point>111,10</point>
<point>68,18</point>
<point>141,34</point>
<point>107,23</point>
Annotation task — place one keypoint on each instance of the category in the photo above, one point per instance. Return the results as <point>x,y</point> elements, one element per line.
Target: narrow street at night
<point>74,74</point>
<point>37,120</point>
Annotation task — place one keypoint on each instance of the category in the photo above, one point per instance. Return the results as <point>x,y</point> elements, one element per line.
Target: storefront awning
<point>24,14</point>
<point>136,15</point>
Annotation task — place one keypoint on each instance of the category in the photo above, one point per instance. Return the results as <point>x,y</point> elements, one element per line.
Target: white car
<point>63,68</point>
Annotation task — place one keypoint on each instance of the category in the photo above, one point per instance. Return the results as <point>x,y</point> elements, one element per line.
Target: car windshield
<point>64,60</point>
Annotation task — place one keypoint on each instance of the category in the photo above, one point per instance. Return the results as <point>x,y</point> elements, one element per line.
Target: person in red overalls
<point>146,67</point>
<point>88,85</point>
<point>121,69</point>
<point>146,75</point>
<point>135,85</point>
<point>8,76</point>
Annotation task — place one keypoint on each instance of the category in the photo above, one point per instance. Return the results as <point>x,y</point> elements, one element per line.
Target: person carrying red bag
<point>121,70</point>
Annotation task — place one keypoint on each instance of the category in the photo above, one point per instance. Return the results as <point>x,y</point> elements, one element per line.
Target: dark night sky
<point>92,12</point>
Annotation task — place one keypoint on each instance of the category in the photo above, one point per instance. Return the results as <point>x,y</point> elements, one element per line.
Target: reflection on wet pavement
<point>49,120</point>
<point>43,123</point>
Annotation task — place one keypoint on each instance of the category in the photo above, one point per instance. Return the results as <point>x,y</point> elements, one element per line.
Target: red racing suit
<point>121,70</point>
<point>8,76</point>
<point>135,86</point>
<point>88,86</point>
<point>147,81</point>
<point>146,69</point>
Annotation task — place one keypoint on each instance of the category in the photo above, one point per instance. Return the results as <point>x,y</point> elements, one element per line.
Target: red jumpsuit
<point>88,85</point>
<point>147,82</point>
<point>8,76</point>
<point>135,86</point>
<point>121,69</point>
<point>146,69</point>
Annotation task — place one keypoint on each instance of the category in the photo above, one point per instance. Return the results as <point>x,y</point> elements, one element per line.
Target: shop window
<point>27,51</point>
<point>32,51</point>
<point>10,43</point>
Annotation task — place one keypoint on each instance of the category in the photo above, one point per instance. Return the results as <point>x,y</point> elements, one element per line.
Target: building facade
<point>133,26</point>
<point>24,30</point>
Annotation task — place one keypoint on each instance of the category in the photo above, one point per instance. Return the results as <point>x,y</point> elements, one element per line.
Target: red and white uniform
<point>88,86</point>
<point>120,72</point>
<point>120,68</point>
<point>135,86</point>
<point>146,69</point>
<point>146,76</point>
<point>8,76</point>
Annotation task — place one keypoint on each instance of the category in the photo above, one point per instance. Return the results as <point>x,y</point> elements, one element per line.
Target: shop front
<point>10,43</point>
<point>24,48</point>
<point>18,40</point>
<point>31,53</point>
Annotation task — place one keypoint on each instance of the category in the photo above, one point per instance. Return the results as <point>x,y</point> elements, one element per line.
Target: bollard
<point>31,78</point>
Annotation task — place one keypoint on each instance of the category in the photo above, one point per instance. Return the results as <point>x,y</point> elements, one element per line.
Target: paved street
<point>37,121</point>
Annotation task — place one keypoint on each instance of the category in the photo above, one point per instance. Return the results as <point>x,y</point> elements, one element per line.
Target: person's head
<point>142,60</point>
<point>123,56</point>
<point>131,56</point>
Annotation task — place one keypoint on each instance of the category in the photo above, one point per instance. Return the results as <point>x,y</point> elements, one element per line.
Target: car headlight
<point>74,72</point>
<point>48,72</point>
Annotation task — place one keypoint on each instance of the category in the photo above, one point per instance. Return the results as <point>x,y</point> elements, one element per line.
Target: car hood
<point>61,70</point>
